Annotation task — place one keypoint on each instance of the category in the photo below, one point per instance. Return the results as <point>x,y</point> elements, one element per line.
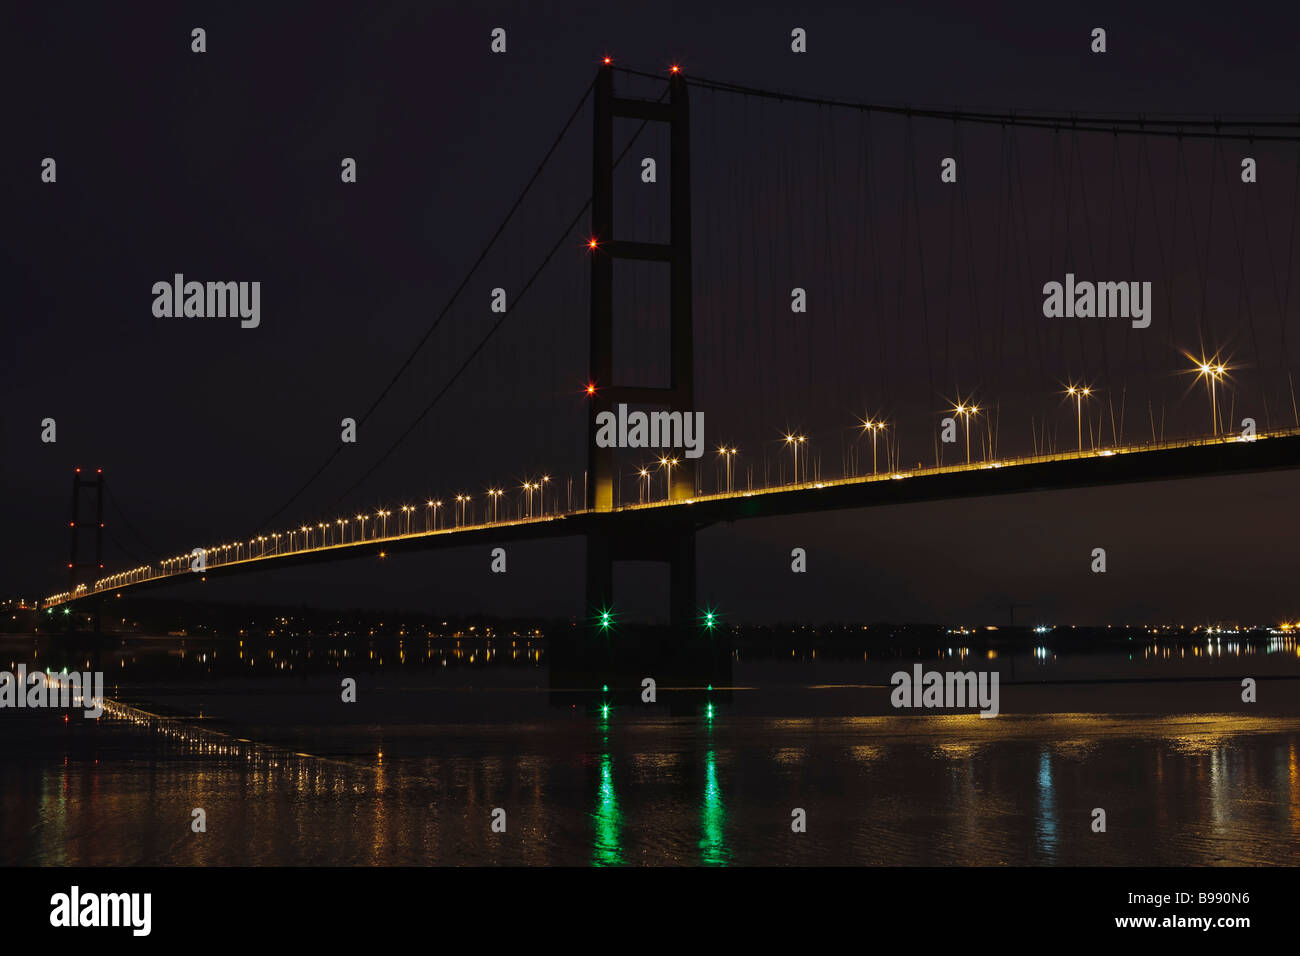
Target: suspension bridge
<point>771,346</point>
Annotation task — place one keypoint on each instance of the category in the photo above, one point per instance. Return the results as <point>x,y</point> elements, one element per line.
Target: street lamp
<point>406,510</point>
<point>495,495</point>
<point>668,464</point>
<point>967,411</point>
<point>1079,393</point>
<point>795,442</point>
<point>1212,371</point>
<point>1218,372</point>
<point>644,475</point>
<point>542,498</point>
<point>362,520</point>
<point>728,454</point>
<point>872,427</point>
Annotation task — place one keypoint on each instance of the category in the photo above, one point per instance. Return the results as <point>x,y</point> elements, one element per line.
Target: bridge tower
<point>74,524</point>
<point>646,542</point>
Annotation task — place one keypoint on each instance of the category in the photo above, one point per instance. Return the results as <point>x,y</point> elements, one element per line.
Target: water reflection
<point>1294,778</point>
<point>660,790</point>
<point>607,851</point>
<point>606,847</point>
<point>411,773</point>
<point>713,817</point>
<point>1045,823</point>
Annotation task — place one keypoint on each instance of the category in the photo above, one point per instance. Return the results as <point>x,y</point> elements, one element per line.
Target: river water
<point>437,748</point>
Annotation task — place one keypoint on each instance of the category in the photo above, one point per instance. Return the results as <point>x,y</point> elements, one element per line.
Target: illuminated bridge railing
<point>1010,462</point>
<point>266,549</point>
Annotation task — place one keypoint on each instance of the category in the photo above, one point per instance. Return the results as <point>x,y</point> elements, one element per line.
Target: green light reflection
<point>606,849</point>
<point>713,817</point>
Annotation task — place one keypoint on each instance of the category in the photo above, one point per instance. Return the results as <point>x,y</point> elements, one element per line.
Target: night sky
<point>225,166</point>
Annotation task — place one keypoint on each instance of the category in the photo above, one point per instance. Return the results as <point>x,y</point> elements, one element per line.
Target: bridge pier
<point>608,657</point>
<point>674,547</point>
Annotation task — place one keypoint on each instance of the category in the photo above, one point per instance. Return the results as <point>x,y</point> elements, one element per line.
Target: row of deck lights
<point>1211,370</point>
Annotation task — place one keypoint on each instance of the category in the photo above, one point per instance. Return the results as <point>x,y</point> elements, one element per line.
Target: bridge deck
<point>1192,458</point>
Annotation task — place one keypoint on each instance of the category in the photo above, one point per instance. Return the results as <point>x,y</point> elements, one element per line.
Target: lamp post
<point>1214,410</point>
<point>795,442</point>
<point>874,428</point>
<point>1079,393</point>
<point>1212,371</point>
<point>967,411</point>
<point>728,454</point>
<point>668,464</point>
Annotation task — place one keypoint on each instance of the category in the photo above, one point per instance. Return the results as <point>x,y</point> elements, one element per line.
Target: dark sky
<point>225,166</point>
